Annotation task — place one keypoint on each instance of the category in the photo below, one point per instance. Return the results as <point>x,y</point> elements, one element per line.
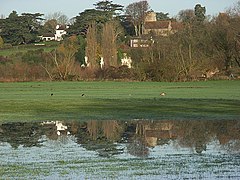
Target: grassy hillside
<point>48,46</point>
<point>119,100</point>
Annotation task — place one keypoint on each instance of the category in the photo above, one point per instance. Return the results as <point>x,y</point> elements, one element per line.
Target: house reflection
<point>155,131</point>
<point>53,129</point>
<point>137,138</point>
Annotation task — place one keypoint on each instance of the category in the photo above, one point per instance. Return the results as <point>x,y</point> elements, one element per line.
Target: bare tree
<point>92,46</point>
<point>223,35</point>
<point>137,12</point>
<point>186,15</point>
<point>234,14</point>
<point>59,17</point>
<point>50,26</point>
<point>109,43</point>
<point>234,10</point>
<point>60,63</point>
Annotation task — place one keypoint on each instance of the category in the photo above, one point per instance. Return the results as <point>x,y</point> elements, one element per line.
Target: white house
<point>48,37</point>
<point>60,31</point>
<point>144,41</point>
<point>126,61</point>
<point>58,36</point>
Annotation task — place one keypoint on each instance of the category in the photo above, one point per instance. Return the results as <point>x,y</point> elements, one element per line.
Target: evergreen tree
<point>200,12</point>
<point>104,11</point>
<point>20,29</point>
<point>162,16</point>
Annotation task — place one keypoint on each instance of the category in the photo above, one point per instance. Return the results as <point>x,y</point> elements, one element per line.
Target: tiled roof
<point>48,35</point>
<point>157,25</point>
<point>176,25</point>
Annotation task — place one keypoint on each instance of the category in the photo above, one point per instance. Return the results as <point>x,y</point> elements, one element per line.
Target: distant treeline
<point>201,47</point>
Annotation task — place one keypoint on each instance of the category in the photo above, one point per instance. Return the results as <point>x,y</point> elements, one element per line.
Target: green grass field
<point>210,100</point>
<point>49,46</point>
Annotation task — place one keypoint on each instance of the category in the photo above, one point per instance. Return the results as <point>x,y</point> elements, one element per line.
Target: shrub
<point>3,60</point>
<point>121,72</point>
<point>7,46</point>
<point>1,42</point>
<point>33,56</point>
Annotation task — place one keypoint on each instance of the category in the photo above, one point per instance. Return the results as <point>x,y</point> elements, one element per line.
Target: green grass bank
<point>11,51</point>
<point>41,101</point>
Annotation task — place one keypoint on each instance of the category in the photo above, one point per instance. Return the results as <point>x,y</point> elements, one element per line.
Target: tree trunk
<point>237,61</point>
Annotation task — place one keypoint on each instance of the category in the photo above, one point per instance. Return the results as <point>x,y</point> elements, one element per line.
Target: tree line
<point>139,136</point>
<point>201,44</point>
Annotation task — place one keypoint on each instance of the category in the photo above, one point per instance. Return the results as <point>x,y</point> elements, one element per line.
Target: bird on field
<point>162,94</point>
<point>83,94</point>
<point>51,94</point>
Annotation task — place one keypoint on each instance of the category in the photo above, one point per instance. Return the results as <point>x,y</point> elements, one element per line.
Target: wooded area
<point>199,47</point>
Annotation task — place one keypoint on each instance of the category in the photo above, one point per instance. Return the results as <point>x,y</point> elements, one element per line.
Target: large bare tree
<point>186,16</point>
<point>234,13</point>
<point>92,46</point>
<point>234,10</point>
<point>223,36</point>
<point>137,13</point>
<point>60,63</point>
<point>50,26</point>
<point>110,32</point>
<point>59,17</point>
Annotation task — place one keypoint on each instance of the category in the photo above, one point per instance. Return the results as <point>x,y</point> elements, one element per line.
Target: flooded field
<point>137,149</point>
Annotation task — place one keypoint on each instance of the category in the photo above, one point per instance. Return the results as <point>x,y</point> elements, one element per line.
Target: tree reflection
<point>194,134</point>
<point>105,137</point>
<point>25,134</point>
<point>138,148</point>
<point>110,130</point>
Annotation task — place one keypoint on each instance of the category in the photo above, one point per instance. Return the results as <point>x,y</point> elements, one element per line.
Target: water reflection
<point>136,137</point>
<point>134,149</point>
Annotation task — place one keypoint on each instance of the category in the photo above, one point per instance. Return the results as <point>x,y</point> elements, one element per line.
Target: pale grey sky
<point>72,8</point>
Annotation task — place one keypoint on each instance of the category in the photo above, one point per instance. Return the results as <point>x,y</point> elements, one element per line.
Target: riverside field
<point>110,100</point>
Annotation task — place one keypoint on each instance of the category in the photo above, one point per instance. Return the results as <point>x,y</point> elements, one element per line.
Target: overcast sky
<point>72,8</point>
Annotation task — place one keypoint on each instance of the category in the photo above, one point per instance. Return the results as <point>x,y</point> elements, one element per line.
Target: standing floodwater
<point>136,149</point>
